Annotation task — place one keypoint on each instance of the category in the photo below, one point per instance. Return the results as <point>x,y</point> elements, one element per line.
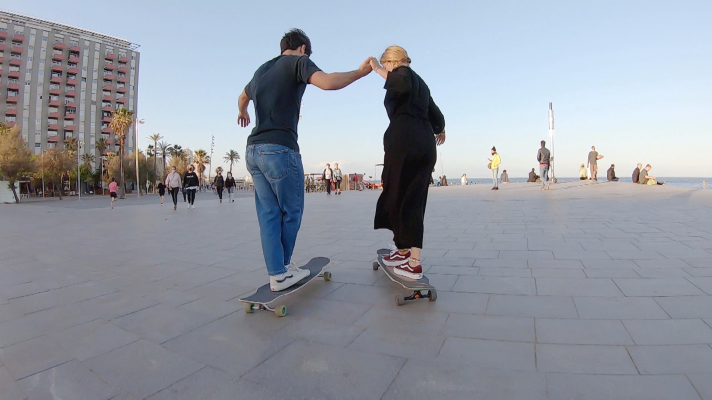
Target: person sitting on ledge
<point>647,179</point>
<point>611,174</point>
<point>504,178</point>
<point>583,173</point>
<point>636,173</point>
<point>532,176</point>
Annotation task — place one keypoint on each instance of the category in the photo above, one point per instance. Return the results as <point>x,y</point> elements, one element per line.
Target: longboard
<point>417,286</point>
<point>261,299</point>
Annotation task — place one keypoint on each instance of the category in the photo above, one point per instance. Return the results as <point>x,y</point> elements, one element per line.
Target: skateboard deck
<point>417,286</point>
<point>261,299</point>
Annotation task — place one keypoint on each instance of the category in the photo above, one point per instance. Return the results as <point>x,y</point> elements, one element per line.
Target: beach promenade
<point>587,291</point>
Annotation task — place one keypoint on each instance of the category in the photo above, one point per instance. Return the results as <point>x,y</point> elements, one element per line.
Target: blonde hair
<point>397,55</point>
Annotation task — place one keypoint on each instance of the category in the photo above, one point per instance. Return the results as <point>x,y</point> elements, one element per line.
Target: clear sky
<point>632,78</point>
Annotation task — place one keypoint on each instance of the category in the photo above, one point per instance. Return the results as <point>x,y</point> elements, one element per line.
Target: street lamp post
<point>79,178</point>
<point>138,185</point>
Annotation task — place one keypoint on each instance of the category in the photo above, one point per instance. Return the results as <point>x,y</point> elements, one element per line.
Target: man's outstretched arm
<point>243,119</point>
<point>339,80</point>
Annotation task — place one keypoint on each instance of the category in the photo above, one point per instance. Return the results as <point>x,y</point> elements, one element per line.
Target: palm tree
<point>155,138</point>
<point>200,158</point>
<point>70,144</point>
<point>165,149</point>
<point>232,157</point>
<point>88,159</point>
<point>120,124</point>
<point>101,147</point>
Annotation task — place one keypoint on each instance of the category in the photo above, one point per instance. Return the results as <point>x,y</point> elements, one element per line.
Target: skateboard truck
<point>424,292</point>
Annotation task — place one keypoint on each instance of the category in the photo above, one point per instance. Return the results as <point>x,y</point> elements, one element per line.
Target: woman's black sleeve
<point>435,116</point>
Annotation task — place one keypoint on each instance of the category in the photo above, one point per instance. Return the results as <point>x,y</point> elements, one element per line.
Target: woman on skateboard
<point>416,127</point>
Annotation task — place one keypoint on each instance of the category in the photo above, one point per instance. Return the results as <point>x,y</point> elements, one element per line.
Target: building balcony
<point>69,128</point>
<point>56,79</point>
<point>124,60</point>
<point>108,88</point>
<point>15,62</point>
<point>122,79</point>
<point>70,104</point>
<point>73,60</point>
<point>73,71</point>
<point>3,35</point>
<point>110,56</point>
<point>74,49</point>
<point>109,77</point>
<point>12,99</point>
<point>53,127</point>
<point>57,57</point>
<point>53,139</point>
<point>121,90</point>
<point>107,98</point>
<point>55,92</point>
<point>108,109</point>
<point>110,142</point>
<point>11,112</point>
<point>122,100</point>
<point>13,74</point>
<point>124,70</point>
<point>70,116</point>
<point>107,119</point>
<point>2,60</point>
<point>18,38</point>
<point>54,103</point>
<point>71,93</point>
<point>71,82</point>
<point>13,86</point>
<point>16,50</point>
<point>59,46</point>
<point>106,130</point>
<point>54,115</point>
<point>109,67</point>
<point>57,68</point>
<point>2,46</point>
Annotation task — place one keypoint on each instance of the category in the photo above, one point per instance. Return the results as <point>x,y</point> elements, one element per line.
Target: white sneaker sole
<point>407,274</point>
<point>394,263</point>
<point>286,284</point>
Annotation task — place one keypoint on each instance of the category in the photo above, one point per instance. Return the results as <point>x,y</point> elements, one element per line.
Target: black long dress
<point>409,143</point>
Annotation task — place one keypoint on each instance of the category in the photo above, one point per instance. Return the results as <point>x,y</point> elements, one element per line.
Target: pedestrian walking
<point>173,183</point>
<point>113,191</point>
<point>338,177</point>
<point>593,158</point>
<point>416,127</point>
<point>230,186</point>
<point>494,166</point>
<point>544,158</point>
<point>219,183</point>
<point>191,182</point>
<point>326,177</point>
<point>161,191</point>
<point>272,154</point>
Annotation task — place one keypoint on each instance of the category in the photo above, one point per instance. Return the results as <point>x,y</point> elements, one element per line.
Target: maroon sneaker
<point>407,271</point>
<point>396,258</point>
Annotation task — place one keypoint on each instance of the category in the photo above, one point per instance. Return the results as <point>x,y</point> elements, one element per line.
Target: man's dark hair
<point>543,143</point>
<point>294,39</point>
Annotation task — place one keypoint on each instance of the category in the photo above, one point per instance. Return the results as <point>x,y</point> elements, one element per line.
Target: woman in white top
<point>463,180</point>
<point>337,178</point>
<point>583,173</point>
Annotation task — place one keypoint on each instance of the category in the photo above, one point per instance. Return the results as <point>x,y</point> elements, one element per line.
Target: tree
<point>114,168</point>
<point>55,164</point>
<point>200,158</point>
<point>180,163</point>
<point>101,146</point>
<point>232,157</point>
<point>88,159</point>
<point>120,124</point>
<point>155,138</point>
<point>15,157</point>
<point>165,150</point>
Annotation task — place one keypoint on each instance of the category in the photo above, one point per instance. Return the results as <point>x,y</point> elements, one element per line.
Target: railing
<point>702,184</point>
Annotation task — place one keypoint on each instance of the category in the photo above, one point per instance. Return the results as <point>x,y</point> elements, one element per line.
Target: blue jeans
<point>495,173</point>
<point>544,173</point>
<point>278,176</point>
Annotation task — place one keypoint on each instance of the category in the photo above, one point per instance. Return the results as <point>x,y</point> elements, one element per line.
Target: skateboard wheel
<point>400,300</point>
<point>249,308</point>
<point>281,311</point>
<point>327,276</point>
<point>375,266</point>
<point>432,295</point>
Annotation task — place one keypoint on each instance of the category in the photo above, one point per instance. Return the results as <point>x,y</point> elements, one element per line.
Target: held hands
<point>374,63</point>
<point>440,138</point>
<point>367,66</point>
<point>243,119</point>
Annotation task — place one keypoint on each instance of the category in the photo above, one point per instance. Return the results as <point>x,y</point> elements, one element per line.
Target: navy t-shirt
<point>276,90</point>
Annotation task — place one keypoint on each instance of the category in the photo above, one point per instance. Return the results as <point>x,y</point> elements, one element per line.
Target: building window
<point>84,79</point>
<point>44,38</point>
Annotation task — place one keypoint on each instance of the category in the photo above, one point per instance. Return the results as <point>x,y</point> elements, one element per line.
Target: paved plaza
<point>587,291</point>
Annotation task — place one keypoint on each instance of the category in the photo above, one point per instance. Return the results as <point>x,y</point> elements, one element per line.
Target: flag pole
<point>551,139</point>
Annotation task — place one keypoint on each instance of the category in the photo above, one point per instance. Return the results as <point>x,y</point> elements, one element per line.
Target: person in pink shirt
<point>113,191</point>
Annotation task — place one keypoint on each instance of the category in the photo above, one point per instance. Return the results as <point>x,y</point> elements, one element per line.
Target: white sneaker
<point>288,279</point>
<point>189,206</point>
<point>192,207</point>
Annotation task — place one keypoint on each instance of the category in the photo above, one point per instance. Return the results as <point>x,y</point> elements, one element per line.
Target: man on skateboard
<point>272,154</point>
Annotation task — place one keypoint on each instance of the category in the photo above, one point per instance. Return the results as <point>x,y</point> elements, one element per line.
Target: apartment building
<point>58,81</point>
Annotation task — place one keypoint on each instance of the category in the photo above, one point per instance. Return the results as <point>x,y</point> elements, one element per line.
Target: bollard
<point>704,184</point>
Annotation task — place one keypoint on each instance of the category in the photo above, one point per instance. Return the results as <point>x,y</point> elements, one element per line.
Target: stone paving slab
<point>537,298</point>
